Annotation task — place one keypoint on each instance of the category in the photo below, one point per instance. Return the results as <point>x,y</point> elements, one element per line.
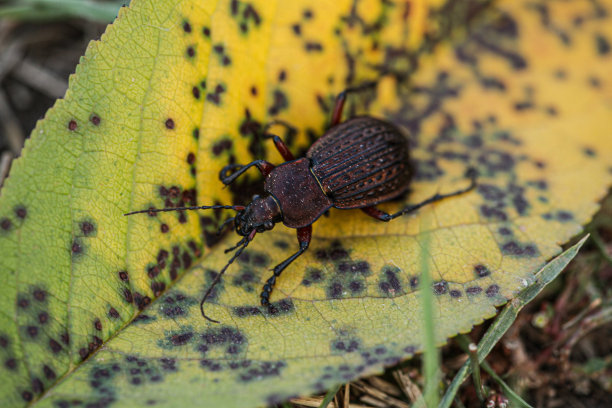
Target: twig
<point>40,79</point>
<point>12,129</point>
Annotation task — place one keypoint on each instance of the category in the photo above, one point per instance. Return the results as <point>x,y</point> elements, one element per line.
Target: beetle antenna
<point>225,224</point>
<point>241,242</point>
<point>203,207</point>
<point>246,241</point>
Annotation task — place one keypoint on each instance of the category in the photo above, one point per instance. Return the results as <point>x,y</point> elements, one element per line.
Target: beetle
<point>356,164</point>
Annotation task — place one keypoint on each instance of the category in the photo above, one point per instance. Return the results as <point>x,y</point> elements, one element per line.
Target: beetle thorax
<point>260,215</point>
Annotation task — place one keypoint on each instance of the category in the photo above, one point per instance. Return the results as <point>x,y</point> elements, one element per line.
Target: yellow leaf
<point>175,90</point>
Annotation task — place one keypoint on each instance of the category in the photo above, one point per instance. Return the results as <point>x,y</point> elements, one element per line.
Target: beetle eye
<point>255,197</point>
<point>268,225</point>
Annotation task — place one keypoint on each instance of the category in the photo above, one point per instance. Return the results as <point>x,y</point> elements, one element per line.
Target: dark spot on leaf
<point>11,364</point>
<point>141,301</point>
<point>21,212</point>
<point>589,152</point>
<point>158,288</point>
<point>181,339</point>
<point>43,317</point>
<point>516,249</point>
<point>169,123</point>
<point>196,92</point>
<point>282,307</point>
<point>40,295</point>
<point>191,158</point>
<point>595,82</point>
<point>473,290</point>
<point>186,27</point>
<point>346,345</point>
<point>564,215</point>
<point>280,102</point>
<point>496,160</point>
<point>493,212</point>
<point>27,396</point>
<point>55,346</point>
<point>215,97</point>
<point>76,248</point>
<point>127,295</point>
<point>95,119</point>
<point>440,287</point>
<point>492,291</point>
<point>72,125</point>
<point>455,293</point>
<point>210,365</point>
<point>481,271</point>
<point>385,287</point>
<point>491,192</point>
<point>393,280</point>
<point>87,228</point>
<point>245,311</point>
<point>602,45</point>
<point>313,46</point>
<point>143,318</point>
<point>356,287</point>
<point>98,324</point>
<point>380,350</point>
<point>505,231</point>
<point>5,224</point>
<point>206,31</point>
<point>334,290</point>
<point>32,331</point>
<point>23,302</point>
<point>37,385</point>
<point>123,275</point>
<point>281,244</point>
<point>264,370</point>
<point>221,146</point>
<point>190,51</point>
<point>113,313</point>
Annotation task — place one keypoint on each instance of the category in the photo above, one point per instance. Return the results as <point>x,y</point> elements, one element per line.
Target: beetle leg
<point>383,216</point>
<point>281,147</point>
<point>341,98</point>
<point>304,235</point>
<point>231,172</point>
<point>278,142</point>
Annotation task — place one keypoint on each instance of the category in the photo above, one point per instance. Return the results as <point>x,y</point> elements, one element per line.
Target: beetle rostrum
<point>356,164</point>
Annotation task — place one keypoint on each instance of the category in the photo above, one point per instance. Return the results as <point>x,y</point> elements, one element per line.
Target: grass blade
<point>431,356</point>
<point>507,316</point>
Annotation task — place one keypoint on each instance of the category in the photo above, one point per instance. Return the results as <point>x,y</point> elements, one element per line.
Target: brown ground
<point>557,354</point>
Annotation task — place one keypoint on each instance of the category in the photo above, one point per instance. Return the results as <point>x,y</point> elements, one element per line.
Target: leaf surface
<point>176,90</point>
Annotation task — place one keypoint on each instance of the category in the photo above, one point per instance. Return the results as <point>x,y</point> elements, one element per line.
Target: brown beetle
<point>356,164</point>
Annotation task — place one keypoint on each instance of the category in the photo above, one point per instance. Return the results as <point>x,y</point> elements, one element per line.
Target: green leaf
<point>98,308</point>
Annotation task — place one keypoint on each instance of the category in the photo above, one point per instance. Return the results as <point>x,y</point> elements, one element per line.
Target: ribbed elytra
<point>356,164</point>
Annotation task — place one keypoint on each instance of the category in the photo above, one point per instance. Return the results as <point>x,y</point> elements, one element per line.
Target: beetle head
<point>259,216</point>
